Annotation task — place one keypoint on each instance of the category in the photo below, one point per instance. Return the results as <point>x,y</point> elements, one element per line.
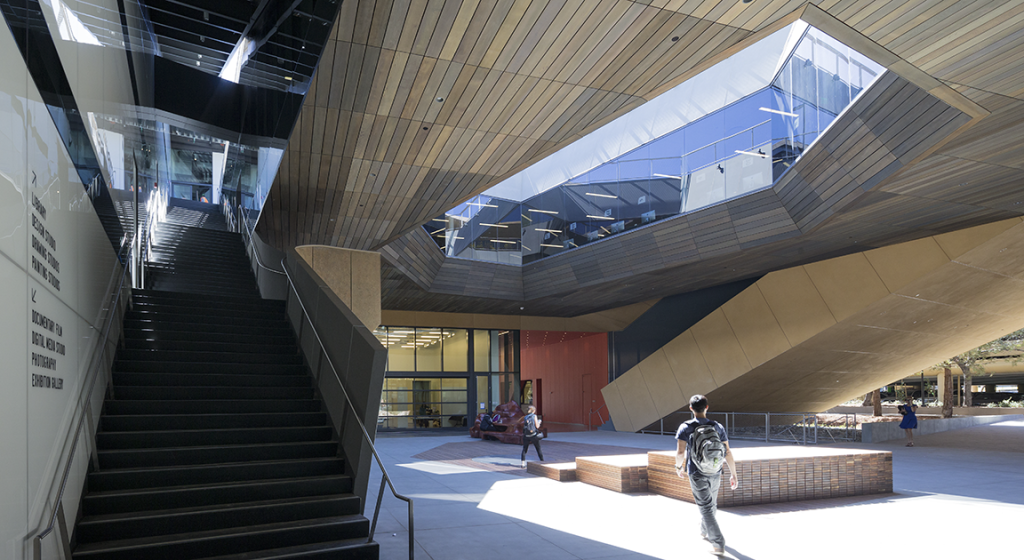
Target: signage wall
<point>56,269</point>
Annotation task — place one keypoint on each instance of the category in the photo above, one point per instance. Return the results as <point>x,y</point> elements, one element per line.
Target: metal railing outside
<point>95,372</point>
<point>788,427</point>
<point>590,418</point>
<point>385,478</point>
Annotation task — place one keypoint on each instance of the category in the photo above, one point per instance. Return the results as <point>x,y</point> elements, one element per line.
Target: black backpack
<point>706,448</point>
<point>530,427</point>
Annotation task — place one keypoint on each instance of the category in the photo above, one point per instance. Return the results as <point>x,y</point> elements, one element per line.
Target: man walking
<point>701,446</point>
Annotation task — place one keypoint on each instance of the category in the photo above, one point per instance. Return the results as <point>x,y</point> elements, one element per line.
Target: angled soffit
<point>360,170</point>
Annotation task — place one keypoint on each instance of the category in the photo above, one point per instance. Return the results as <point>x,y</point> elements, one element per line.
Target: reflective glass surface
<point>741,148</point>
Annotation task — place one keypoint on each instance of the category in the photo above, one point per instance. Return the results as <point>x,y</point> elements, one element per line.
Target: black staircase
<point>214,443</point>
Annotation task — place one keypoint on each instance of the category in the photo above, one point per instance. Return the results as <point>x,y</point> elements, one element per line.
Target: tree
<point>972,362</point>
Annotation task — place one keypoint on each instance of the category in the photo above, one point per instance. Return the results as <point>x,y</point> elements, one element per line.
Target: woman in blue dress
<point>909,422</point>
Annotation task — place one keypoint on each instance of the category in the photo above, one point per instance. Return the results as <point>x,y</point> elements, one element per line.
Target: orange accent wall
<point>571,366</point>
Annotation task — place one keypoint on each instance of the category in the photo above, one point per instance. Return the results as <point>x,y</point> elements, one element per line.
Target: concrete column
<point>990,388</point>
<point>1020,388</point>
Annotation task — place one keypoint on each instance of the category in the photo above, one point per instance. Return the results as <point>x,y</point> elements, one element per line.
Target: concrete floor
<point>957,494</point>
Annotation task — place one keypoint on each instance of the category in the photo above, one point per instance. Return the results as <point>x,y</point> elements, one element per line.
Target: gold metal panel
<point>796,304</point>
<point>720,348</point>
<point>636,398</point>
<point>901,264</point>
<point>847,284</point>
<point>755,326</point>
<point>616,409</point>
<point>691,371</point>
<point>662,383</point>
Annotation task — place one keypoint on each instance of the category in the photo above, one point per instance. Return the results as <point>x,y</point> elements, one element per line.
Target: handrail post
<point>767,425</point>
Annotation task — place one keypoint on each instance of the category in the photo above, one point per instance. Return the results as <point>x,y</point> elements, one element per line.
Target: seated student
<point>485,423</point>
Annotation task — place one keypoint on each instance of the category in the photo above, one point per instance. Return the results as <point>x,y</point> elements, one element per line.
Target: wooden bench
<point>783,474</point>
<point>620,473</point>
<point>562,472</point>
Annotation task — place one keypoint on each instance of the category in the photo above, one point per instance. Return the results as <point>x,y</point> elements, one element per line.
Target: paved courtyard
<point>949,487</point>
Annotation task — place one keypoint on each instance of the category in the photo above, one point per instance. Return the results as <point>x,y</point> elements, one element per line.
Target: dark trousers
<point>705,494</point>
<point>535,440</point>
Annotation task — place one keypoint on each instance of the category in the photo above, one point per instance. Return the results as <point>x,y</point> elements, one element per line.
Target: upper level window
<point>789,88</point>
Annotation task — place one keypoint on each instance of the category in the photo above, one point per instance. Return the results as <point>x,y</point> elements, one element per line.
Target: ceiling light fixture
<point>542,211</point>
<point>777,112</point>
<point>492,225</point>
<point>550,230</point>
<point>482,204</point>
<point>757,153</point>
<point>503,241</point>
<point>600,195</point>
<point>600,217</point>
<point>667,176</point>
<point>550,245</point>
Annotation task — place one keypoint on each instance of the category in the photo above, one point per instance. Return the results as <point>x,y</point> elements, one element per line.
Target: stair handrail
<point>249,243</point>
<point>58,501</point>
<point>362,427</point>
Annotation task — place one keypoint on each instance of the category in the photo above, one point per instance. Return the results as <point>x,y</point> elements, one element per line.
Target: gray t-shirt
<point>686,430</point>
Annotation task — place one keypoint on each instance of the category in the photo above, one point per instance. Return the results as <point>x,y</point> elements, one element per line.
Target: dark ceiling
<point>288,36</point>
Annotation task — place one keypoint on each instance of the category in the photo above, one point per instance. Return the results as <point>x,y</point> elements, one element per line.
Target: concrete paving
<point>957,494</point>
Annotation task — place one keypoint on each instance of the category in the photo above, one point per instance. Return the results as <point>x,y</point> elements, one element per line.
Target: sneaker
<point>717,551</point>
<point>522,464</point>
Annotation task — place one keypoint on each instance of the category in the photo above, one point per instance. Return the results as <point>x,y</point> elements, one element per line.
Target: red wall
<point>561,360</point>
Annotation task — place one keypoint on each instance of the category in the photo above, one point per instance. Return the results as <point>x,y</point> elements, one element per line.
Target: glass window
<point>481,350</point>
<point>428,349</point>
<point>456,349</point>
<point>401,349</point>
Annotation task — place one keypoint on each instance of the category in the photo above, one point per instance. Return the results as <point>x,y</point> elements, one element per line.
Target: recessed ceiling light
<point>289,78</point>
<point>674,39</point>
<point>439,99</point>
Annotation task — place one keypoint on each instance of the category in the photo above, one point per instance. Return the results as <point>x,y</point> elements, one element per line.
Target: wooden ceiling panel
<point>374,155</point>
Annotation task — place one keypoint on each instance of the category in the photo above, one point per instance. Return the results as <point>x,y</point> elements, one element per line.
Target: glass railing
<point>739,149</point>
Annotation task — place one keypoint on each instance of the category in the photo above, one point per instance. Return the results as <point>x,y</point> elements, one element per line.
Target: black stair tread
<point>189,297</point>
<point>157,513</point>
<point>146,542</point>
<point>152,405</point>
<point>212,416</point>
<point>153,433</point>
<point>138,470</point>
<point>219,446</point>
<point>305,551</point>
<point>210,486</point>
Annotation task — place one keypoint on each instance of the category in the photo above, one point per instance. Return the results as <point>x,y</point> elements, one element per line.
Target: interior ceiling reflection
<point>734,150</point>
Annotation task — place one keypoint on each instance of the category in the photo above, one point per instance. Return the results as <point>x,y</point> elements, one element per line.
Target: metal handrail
<point>85,408</point>
<point>366,435</point>
<point>255,252</point>
<point>590,417</point>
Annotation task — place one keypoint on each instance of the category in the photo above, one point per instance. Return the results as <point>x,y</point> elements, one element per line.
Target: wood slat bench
<point>562,472</point>
<point>783,474</point>
<point>619,473</point>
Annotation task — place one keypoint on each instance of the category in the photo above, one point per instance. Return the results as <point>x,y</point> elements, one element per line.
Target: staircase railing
<point>385,478</point>
<point>57,517</point>
<point>272,283</point>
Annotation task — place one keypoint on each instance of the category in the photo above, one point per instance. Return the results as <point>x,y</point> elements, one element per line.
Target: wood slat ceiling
<point>375,155</point>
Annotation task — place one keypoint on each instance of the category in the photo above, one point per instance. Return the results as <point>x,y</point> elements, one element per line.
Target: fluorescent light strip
<point>502,241</point>
<point>600,217</point>
<point>777,112</point>
<point>442,220</point>
<point>751,153</point>
<point>550,245</point>
<point>525,248</point>
<point>492,225</point>
<point>436,232</point>
<point>550,230</point>
<point>600,195</point>
<point>666,176</point>
<point>542,211</point>
<point>482,204</point>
